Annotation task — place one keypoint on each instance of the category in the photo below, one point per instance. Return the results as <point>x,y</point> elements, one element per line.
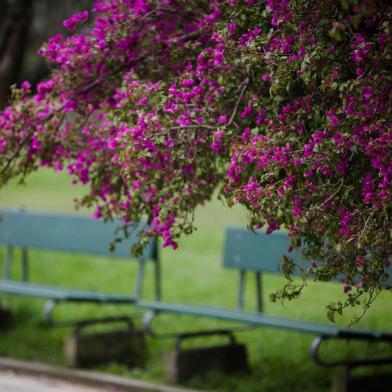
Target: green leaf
<point>331,316</point>
<point>345,4</point>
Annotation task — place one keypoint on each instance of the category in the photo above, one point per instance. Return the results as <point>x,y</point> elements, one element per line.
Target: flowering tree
<point>284,106</point>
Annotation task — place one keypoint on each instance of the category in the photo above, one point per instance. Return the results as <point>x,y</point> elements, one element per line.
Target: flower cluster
<point>283,105</point>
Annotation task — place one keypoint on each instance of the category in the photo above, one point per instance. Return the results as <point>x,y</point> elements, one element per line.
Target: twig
<point>14,155</point>
<point>365,225</point>
<point>335,193</point>
<point>191,127</point>
<point>155,10</point>
<point>260,52</point>
<point>243,88</point>
<point>372,296</point>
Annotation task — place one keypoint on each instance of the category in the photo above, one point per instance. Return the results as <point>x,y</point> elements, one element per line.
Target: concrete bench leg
<point>377,382</point>
<point>182,365</point>
<point>126,345</point>
<point>5,318</point>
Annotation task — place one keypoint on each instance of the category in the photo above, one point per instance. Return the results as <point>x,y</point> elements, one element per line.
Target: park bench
<point>69,234</point>
<point>259,253</point>
<point>244,251</point>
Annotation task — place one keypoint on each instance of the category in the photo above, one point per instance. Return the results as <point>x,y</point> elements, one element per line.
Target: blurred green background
<point>192,274</point>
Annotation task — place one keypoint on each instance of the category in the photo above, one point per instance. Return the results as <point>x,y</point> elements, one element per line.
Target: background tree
<point>15,19</point>
<point>24,25</point>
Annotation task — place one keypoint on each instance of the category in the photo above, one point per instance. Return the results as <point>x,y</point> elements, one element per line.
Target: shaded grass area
<point>192,274</point>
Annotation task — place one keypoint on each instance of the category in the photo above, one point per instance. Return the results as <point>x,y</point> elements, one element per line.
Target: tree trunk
<point>15,20</point>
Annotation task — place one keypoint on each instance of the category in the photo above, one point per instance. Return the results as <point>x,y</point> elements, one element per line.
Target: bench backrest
<point>245,250</point>
<point>259,252</point>
<point>76,234</point>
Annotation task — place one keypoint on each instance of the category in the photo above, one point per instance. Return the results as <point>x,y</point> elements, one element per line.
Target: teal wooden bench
<point>70,234</point>
<point>247,252</point>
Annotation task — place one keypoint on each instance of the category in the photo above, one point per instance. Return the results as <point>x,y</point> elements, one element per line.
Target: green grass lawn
<point>192,274</point>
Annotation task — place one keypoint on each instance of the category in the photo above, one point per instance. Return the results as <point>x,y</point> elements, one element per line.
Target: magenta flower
<point>75,20</point>
<point>188,82</point>
<point>333,119</point>
<point>367,92</point>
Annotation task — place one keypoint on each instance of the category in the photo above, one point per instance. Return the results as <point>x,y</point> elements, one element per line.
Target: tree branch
<point>243,88</point>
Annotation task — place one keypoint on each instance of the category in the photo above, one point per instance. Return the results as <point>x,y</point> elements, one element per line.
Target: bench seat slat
<point>60,293</point>
<point>263,319</point>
